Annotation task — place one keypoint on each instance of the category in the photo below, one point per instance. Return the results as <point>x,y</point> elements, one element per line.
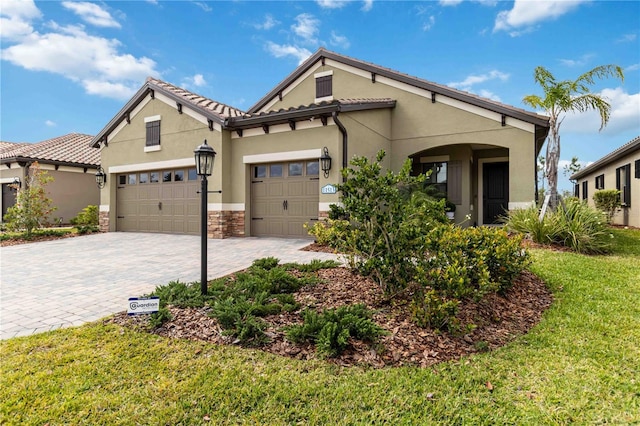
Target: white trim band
<point>152,118</point>
<point>282,156</point>
<point>220,207</point>
<point>169,164</point>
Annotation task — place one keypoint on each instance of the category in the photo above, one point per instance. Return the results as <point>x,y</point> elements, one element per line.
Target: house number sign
<point>328,189</point>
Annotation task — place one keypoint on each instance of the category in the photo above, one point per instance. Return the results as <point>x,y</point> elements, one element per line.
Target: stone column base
<point>103,221</point>
<point>225,224</point>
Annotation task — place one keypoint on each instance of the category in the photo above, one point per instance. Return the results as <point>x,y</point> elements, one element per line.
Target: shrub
<point>607,201</point>
<point>87,220</point>
<point>332,329</point>
<point>32,208</point>
<point>573,224</point>
<point>430,310</point>
<point>387,221</point>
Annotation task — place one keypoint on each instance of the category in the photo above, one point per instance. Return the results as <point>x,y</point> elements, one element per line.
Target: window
<point>623,184</point>
<point>585,190</point>
<point>166,176</point>
<point>275,170</point>
<point>153,133</point>
<point>600,182</point>
<point>324,86</point>
<point>179,175</point>
<point>122,180</point>
<point>155,177</point>
<point>192,175</point>
<point>144,177</point>
<point>576,190</point>
<point>637,169</point>
<point>132,179</point>
<point>260,172</point>
<point>438,177</point>
<point>313,168</point>
<point>295,169</point>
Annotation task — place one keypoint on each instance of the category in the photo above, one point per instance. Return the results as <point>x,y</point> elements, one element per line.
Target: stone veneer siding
<point>225,224</point>
<point>103,221</point>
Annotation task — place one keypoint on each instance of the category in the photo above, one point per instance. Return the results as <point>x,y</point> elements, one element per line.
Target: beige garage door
<point>159,201</point>
<point>284,196</point>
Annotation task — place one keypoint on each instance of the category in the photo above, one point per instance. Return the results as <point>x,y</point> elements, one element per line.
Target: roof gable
<point>211,110</point>
<point>436,89</point>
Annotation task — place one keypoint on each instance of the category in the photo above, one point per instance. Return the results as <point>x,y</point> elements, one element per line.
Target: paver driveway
<point>68,282</point>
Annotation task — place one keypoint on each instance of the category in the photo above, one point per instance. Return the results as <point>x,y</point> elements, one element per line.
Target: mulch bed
<point>36,239</point>
<point>498,320</point>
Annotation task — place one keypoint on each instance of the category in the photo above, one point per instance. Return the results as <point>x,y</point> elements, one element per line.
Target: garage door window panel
<point>132,179</point>
<point>275,170</point>
<point>313,168</point>
<point>166,176</point>
<point>179,175</point>
<point>192,174</point>
<point>144,178</point>
<point>295,169</point>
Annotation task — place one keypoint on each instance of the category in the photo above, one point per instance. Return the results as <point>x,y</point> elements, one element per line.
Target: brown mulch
<point>498,320</point>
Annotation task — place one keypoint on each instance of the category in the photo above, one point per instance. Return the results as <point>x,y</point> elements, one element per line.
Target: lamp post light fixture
<point>101,177</point>
<point>325,162</point>
<point>205,157</point>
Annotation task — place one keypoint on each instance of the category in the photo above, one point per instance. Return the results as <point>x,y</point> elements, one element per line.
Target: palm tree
<point>561,97</point>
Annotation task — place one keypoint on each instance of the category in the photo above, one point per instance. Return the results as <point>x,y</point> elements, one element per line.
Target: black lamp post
<point>101,177</point>
<point>205,156</point>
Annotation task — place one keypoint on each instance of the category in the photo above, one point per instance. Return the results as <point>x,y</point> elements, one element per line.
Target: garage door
<point>159,201</point>
<point>284,196</point>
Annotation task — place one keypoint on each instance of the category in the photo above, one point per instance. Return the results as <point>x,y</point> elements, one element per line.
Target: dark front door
<point>8,197</point>
<point>495,191</point>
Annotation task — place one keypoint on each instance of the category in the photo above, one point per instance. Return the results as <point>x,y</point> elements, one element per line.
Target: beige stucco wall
<point>627,216</point>
<point>71,190</point>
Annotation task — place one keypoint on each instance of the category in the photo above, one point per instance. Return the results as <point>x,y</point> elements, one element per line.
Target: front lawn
<point>580,365</point>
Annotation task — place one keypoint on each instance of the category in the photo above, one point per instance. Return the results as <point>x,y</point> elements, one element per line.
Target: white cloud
<point>472,80</point>
<point>92,14</point>
<point>94,62</point>
<point>429,23</point>
<point>16,17</point>
<point>307,27</point>
<point>332,4</point>
<point>196,80</point>
<point>582,61</point>
<point>489,95</point>
<point>269,22</point>
<point>449,2</point>
<point>280,51</point>
<point>627,38</point>
<point>50,123</point>
<point>625,114</point>
<point>525,14</point>
<point>202,5</point>
<point>340,41</point>
<point>633,67</point>
<point>367,5</point>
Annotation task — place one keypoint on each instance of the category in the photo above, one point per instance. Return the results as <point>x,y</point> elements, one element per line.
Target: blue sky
<point>70,66</point>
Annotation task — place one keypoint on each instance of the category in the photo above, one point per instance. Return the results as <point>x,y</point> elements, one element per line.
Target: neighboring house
<point>69,159</point>
<point>483,153</point>
<point>618,170</point>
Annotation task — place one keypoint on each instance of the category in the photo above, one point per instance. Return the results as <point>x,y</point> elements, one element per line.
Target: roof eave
<point>634,144</point>
<point>22,159</point>
<point>441,90</point>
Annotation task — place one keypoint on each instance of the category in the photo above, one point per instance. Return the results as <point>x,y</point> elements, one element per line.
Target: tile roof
<point>631,146</point>
<point>440,89</point>
<point>9,146</point>
<point>70,149</point>
<point>198,101</point>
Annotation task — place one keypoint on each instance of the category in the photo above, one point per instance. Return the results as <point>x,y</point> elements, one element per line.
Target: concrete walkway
<point>49,285</point>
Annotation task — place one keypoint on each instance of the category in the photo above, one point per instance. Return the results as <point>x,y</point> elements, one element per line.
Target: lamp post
<point>205,156</point>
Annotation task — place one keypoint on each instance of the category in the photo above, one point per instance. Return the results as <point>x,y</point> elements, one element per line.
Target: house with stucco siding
<point>482,153</point>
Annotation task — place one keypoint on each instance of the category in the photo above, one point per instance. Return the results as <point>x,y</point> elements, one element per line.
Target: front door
<point>495,191</point>
<point>8,197</point>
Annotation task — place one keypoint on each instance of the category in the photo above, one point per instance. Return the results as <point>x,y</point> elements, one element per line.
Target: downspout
<point>345,140</point>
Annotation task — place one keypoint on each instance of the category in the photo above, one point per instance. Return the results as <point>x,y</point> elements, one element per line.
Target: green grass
<point>580,365</point>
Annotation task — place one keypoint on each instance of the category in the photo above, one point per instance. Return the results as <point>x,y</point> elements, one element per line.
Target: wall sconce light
<point>325,162</point>
<point>101,177</point>
<point>17,183</point>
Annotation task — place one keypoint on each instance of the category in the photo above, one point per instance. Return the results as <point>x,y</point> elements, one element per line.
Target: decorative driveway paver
<point>48,285</point>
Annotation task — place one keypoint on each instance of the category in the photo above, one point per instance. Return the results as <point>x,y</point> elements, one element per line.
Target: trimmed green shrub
<point>87,220</point>
<point>607,201</point>
<point>332,329</point>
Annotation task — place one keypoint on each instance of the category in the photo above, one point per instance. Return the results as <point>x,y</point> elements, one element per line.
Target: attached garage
<point>159,201</point>
<point>284,196</point>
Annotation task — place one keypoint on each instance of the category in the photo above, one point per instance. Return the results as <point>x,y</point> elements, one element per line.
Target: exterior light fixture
<point>16,183</point>
<point>325,162</point>
<point>205,157</point>
<point>101,177</point>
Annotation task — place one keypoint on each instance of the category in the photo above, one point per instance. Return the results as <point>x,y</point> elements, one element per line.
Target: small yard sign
<point>328,189</point>
<point>139,306</point>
